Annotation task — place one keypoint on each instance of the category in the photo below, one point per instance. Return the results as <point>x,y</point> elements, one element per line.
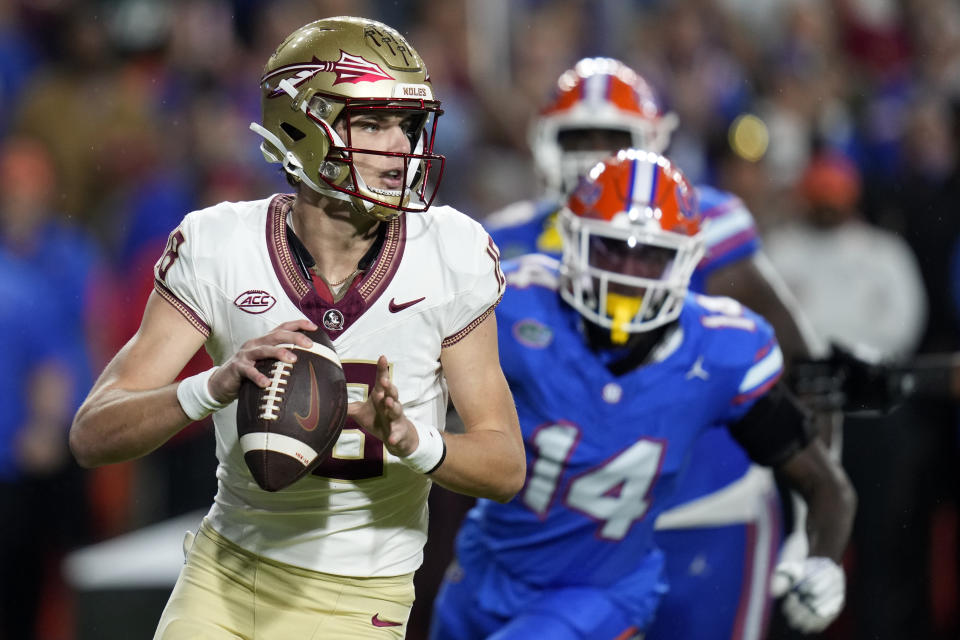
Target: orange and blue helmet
<point>597,94</point>
<point>632,239</point>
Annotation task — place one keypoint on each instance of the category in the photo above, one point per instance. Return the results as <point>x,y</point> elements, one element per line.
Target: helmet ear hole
<point>320,107</point>
<point>295,134</point>
<point>330,171</point>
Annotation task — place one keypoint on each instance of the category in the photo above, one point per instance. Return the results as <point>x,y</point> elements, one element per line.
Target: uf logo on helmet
<point>686,200</point>
<point>587,191</point>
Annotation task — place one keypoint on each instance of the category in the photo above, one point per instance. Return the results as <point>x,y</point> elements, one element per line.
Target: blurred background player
<point>53,285</point>
<point>42,512</point>
<point>617,372</point>
<point>599,106</point>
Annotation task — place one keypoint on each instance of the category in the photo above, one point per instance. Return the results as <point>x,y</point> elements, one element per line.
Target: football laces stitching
<point>270,405</point>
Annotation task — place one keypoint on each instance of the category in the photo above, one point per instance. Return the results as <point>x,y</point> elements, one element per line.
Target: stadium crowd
<point>119,116</point>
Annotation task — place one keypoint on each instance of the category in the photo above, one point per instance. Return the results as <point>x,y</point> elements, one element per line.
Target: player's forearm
<point>483,464</point>
<point>115,425</point>
<point>831,506</point>
<point>830,498</point>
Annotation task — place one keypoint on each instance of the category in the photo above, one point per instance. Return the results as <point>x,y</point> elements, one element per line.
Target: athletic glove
<point>813,592</point>
<point>855,383</point>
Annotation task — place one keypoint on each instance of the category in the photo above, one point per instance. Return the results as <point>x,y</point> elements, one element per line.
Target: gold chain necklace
<point>337,284</point>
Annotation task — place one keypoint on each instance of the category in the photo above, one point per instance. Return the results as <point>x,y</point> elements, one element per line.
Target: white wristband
<point>430,452</point>
<point>194,396</point>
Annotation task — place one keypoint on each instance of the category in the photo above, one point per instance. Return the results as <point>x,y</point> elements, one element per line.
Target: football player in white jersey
<point>408,301</point>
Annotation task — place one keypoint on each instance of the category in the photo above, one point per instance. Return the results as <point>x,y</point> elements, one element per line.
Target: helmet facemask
<point>625,278</point>
<point>561,165</point>
<point>579,149</point>
<point>346,161</point>
<point>632,238</point>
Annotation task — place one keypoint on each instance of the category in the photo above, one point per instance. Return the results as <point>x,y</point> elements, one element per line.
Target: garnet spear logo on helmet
<point>349,68</point>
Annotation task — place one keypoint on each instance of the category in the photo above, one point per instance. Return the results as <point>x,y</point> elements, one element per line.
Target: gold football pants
<point>225,592</point>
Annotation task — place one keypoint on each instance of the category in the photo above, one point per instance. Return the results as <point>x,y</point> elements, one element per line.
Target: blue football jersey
<point>605,452</point>
<point>730,234</point>
<point>528,226</point>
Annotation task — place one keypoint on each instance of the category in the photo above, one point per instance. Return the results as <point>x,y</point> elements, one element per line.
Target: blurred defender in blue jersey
<point>719,559</point>
<point>617,372</point>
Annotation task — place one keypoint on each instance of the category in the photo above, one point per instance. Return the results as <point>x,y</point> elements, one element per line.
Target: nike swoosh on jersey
<point>309,421</point>
<point>378,622</point>
<point>394,307</point>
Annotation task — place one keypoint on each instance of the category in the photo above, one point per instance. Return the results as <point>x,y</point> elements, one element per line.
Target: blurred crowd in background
<point>836,121</point>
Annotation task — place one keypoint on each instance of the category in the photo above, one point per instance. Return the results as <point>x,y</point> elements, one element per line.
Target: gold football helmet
<point>338,68</point>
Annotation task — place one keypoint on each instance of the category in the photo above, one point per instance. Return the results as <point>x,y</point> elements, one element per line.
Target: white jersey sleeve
<point>479,282</point>
<point>176,279</point>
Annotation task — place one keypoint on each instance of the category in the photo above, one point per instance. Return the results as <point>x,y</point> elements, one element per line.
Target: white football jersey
<point>230,271</point>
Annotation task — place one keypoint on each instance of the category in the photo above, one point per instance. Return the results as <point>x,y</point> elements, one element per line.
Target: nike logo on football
<point>394,307</point>
<point>376,620</point>
<point>309,421</point>
<point>697,370</point>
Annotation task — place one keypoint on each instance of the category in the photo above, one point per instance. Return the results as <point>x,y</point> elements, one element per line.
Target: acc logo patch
<point>532,333</point>
<point>255,301</point>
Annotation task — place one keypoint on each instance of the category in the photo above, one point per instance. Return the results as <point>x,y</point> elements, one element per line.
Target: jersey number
<point>170,256</point>
<point>366,458</point>
<point>727,314</point>
<point>615,494</point>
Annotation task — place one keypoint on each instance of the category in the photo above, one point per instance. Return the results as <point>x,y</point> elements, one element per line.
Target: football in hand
<point>287,428</point>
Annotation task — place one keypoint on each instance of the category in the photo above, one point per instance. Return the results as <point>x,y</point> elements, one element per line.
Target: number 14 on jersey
<point>615,492</point>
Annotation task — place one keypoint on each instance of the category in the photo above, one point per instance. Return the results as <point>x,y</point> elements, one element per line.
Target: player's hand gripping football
<point>382,414</point>
<point>814,590</point>
<point>224,384</point>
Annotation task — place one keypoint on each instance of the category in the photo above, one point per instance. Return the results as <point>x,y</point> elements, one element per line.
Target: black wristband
<point>443,456</point>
